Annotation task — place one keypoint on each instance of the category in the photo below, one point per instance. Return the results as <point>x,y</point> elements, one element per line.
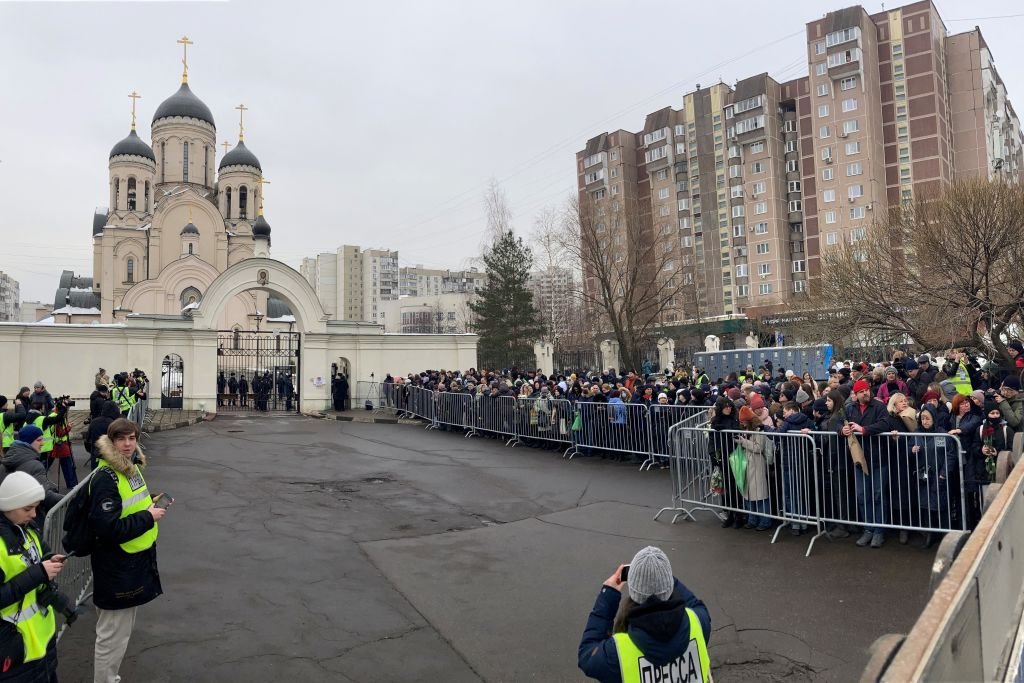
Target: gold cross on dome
<point>134,96</point>
<point>184,42</point>
<point>241,121</point>
<point>262,181</point>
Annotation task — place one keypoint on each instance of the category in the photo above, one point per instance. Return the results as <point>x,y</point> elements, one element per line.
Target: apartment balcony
<point>681,167</point>
<point>845,61</point>
<point>658,164</point>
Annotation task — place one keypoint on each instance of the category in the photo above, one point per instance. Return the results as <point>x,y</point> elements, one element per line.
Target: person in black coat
<point>721,442</point>
<point>109,411</point>
<point>123,580</point>
<point>96,399</point>
<point>23,456</point>
<point>866,418</point>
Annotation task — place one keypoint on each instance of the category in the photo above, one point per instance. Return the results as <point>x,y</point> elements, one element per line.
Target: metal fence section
<point>663,418</point>
<point>908,481</point>
<point>75,580</point>
<point>542,419</point>
<point>496,416</point>
<point>455,410</point>
<point>421,404</point>
<point>616,429</point>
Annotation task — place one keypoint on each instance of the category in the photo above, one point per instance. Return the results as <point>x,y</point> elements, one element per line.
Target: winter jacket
<point>937,464</point>
<point>720,445</point>
<point>1012,410</point>
<point>122,580</point>
<point>44,398</point>
<point>884,392</point>
<point>873,417</point>
<point>20,457</point>
<point>968,425</point>
<point>790,445</point>
<point>109,411</point>
<point>1001,438</point>
<point>754,445</point>
<point>661,629</point>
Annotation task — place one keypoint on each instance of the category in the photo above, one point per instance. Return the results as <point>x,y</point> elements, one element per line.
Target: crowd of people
<point>235,390</point>
<point>897,441</point>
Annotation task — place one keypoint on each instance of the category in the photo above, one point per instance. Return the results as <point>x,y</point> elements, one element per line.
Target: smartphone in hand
<point>624,574</point>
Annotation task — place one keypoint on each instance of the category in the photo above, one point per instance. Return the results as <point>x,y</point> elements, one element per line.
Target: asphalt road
<point>310,550</point>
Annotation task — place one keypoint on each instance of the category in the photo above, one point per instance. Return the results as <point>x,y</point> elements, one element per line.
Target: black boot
<point>729,520</point>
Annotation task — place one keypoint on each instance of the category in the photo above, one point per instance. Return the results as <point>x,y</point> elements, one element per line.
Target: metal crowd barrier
<point>497,415</point>
<point>421,404</point>
<point>75,580</point>
<point>808,481</point>
<point>663,418</point>
<point>623,428</point>
<point>542,419</point>
<point>137,413</point>
<point>455,410</point>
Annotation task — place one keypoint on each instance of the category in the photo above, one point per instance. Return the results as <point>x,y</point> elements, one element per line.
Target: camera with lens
<point>65,401</point>
<point>50,596</point>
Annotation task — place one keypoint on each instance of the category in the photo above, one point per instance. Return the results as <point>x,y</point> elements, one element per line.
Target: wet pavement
<point>319,550</point>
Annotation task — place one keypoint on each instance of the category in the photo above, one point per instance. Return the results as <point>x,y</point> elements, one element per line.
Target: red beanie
<point>929,395</point>
<point>756,401</point>
<point>861,385</point>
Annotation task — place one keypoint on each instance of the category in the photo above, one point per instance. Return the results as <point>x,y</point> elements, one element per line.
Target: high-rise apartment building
<point>10,299</point>
<point>554,291</point>
<point>420,281</point>
<point>746,186</point>
<point>352,282</point>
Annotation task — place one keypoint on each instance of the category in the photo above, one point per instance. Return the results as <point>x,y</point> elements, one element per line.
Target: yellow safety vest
<point>47,446</point>
<point>8,433</point>
<point>35,623</point>
<point>124,399</point>
<point>961,380</point>
<point>134,497</point>
<point>693,666</point>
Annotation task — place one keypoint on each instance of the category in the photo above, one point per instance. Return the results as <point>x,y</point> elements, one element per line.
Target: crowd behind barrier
<point>906,445</point>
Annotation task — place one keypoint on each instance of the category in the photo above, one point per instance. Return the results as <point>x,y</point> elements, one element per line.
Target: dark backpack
<point>79,536</point>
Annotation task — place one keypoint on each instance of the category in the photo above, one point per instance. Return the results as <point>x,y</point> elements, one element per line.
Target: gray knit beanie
<point>802,397</point>
<point>650,573</point>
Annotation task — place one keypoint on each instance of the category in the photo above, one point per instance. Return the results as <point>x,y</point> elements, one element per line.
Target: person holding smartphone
<point>28,646</point>
<point>124,517</point>
<point>646,625</point>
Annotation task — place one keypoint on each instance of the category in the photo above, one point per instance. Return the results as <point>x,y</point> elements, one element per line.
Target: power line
<point>1002,16</point>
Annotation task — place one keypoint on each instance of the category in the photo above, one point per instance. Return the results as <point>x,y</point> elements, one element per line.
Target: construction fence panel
<point>543,419</point>
<point>75,579</point>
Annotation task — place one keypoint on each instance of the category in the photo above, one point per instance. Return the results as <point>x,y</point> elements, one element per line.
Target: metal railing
<point>612,428</point>
<point>75,580</point>
<point>808,481</point>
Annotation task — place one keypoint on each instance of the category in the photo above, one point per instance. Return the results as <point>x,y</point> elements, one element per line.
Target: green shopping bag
<point>738,465</point>
<point>577,422</point>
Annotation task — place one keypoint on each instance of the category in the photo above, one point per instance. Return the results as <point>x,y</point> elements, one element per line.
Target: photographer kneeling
<point>658,631</point>
<point>28,646</point>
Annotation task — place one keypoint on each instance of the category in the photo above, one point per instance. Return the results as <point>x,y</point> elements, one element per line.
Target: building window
<point>615,172</point>
<point>741,270</point>
<point>757,148</point>
<point>897,72</point>
<point>796,205</point>
<point>615,154</point>
<point>822,111</point>
<point>799,266</point>
<point>902,133</point>
<point>830,217</point>
<point>761,208</point>
<point>243,202</point>
<point>227,196</point>
<point>897,49</point>
<point>855,191</point>
<point>130,271</point>
<point>826,153</point>
<point>852,148</point>
<point>190,247</point>
<point>798,286</point>
<point>761,229</point>
<point>791,166</point>
<point>904,175</point>
<point>842,36</point>
<point>686,241</point>
<point>845,57</point>
<point>736,191</point>
<point>854,169</point>
<point>850,126</point>
<point>736,171</point>
<point>822,89</point>
<point>820,68</point>
<point>819,47</point>
<point>850,104</point>
<point>762,247</point>
<point>828,195</point>
<point>757,167</point>
<point>824,132</point>
<point>163,162</point>
<point>901,112</point>
<point>663,193</point>
<point>857,212</point>
<point>904,155</point>
<point>764,288</point>
<point>900,91</point>
<point>794,186</point>
<point>116,195</point>
<point>764,268</point>
<point>827,173</point>
<point>737,212</point>
<point>206,165</point>
<point>615,189</point>
<point>683,204</point>
<point>858,235</point>
<point>131,194</point>
<point>184,162</point>
<point>848,83</point>
<point>831,238</point>
<point>681,149</point>
<point>661,175</point>
<point>758,188</point>
<point>664,210</point>
<point>737,230</point>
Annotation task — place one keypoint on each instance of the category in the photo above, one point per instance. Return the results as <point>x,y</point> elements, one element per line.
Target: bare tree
<point>944,272</point>
<point>629,278</point>
<point>499,213</point>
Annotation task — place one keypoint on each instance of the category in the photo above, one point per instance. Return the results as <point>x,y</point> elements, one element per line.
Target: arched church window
<point>131,194</point>
<point>227,213</point>
<point>163,162</point>
<point>190,247</point>
<point>184,162</point>
<point>145,200</point>
<point>116,194</point>
<point>243,201</point>
<point>131,271</point>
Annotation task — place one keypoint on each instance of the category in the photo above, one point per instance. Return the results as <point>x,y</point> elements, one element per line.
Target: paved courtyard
<point>314,550</point>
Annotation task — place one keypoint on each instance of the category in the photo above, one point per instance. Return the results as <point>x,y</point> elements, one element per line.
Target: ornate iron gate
<point>172,382</point>
<point>257,372</point>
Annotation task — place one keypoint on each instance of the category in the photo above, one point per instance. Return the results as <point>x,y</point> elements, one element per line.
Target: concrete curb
<point>368,419</point>
<point>178,425</point>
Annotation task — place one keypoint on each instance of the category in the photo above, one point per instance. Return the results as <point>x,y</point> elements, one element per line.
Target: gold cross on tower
<point>226,145</point>
<point>134,96</point>
<point>184,42</point>
<point>262,181</point>
<point>241,121</point>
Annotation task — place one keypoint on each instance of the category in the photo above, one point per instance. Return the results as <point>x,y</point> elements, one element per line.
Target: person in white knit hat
<point>658,631</point>
<point>28,646</point>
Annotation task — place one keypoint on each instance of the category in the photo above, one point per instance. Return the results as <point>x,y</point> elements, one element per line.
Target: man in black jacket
<point>866,419</point>
<point>124,558</point>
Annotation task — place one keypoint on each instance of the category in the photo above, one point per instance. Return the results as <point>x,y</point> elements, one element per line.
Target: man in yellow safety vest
<point>660,633</point>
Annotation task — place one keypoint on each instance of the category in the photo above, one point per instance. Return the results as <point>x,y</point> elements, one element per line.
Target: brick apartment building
<point>745,186</point>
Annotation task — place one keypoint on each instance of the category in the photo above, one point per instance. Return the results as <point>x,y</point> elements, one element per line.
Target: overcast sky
<point>378,124</point>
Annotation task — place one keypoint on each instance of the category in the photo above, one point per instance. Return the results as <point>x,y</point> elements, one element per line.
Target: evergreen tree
<point>506,319</point>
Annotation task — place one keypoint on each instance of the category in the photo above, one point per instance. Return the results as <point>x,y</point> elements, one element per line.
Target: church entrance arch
<point>259,371</point>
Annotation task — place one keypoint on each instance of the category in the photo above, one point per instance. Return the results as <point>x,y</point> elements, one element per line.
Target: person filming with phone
<point>646,626</point>
<point>124,518</point>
